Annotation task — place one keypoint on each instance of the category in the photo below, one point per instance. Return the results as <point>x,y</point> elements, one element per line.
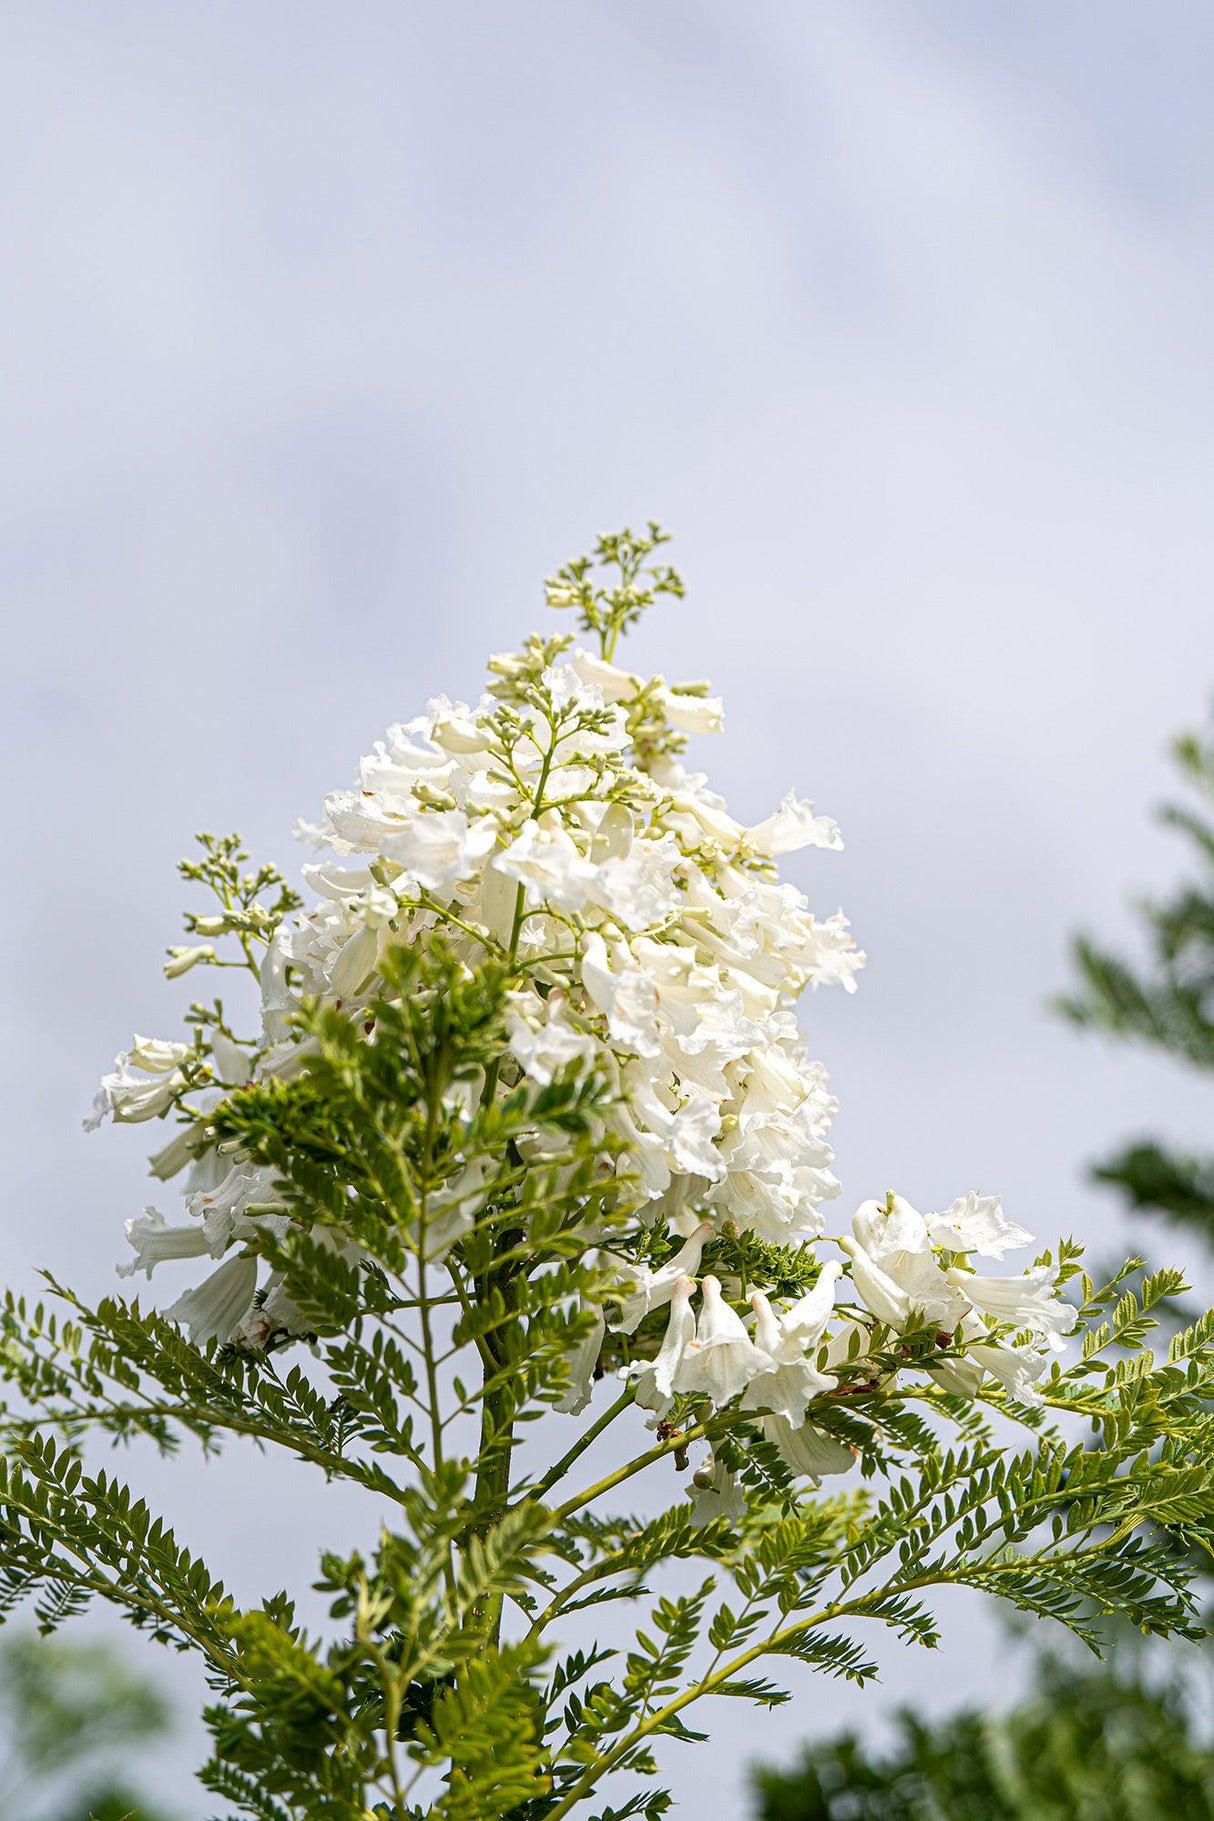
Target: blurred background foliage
<point>1082,1747</point>
<point>1127,1740</point>
<point>72,1717</point>
<point>1166,1003</point>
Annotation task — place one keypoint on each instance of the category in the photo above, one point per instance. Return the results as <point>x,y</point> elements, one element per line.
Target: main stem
<point>492,1493</point>
<point>493,1483</point>
<point>494,1456</point>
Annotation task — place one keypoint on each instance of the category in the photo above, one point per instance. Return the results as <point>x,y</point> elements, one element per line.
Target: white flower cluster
<point>554,824</point>
<point>905,1274</point>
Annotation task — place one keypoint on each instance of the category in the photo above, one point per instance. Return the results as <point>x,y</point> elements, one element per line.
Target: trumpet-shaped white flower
<point>155,1056</point>
<point>829,956</point>
<point>637,886</point>
<point>612,683</point>
<point>687,1129</point>
<point>691,713</point>
<point>1016,1368</point>
<point>130,1099</point>
<point>456,727</point>
<point>155,1241</point>
<point>895,1269</point>
<point>655,1379</point>
<point>1028,1302</point>
<point>545,860</point>
<point>182,959</point>
<point>976,1223</point>
<point>720,1359</point>
<point>794,825</point>
<point>653,1289</point>
<point>215,1308</point>
<point>880,1294</point>
<point>791,1382</point>
<point>697,813</point>
<point>805,1322</point>
<point>624,993</point>
<point>807,1449</point>
<point>222,1208</point>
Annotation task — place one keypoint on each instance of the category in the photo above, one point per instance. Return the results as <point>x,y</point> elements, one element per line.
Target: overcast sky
<point>329,330</point>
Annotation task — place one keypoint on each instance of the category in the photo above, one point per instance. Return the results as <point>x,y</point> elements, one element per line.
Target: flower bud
<point>181,960</point>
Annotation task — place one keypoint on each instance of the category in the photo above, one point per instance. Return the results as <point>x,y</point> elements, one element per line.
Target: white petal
<point>596,673</point>
<point>441,847</point>
<point>232,1064</point>
<point>806,1449</point>
<point>582,1363</point>
<point>354,963</point>
<point>653,1289</point>
<point>155,1056</point>
<point>807,1318</point>
<point>721,1359</point>
<point>976,1223</point>
<point>1016,1368</point>
<point>879,1294</point>
<point>155,1240</point>
<point>692,713</point>
<point>792,826</point>
<point>216,1307</point>
<point>1023,1302</point>
<point>715,1493</point>
<point>130,1099</point>
<point>552,1045</point>
<point>176,1153</point>
<point>545,860</point>
<point>655,1380</point>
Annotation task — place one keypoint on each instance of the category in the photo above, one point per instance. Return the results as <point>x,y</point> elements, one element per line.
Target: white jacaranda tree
<point>519,1123</point>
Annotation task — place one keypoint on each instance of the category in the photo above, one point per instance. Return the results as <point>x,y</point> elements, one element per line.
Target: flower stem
<point>560,1468</point>
<point>702,1431</point>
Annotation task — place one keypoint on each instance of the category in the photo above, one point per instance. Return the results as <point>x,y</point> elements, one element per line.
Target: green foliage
<point>1168,1003</point>
<point>436,1689</point>
<point>1082,1748</point>
<point>436,1237</point>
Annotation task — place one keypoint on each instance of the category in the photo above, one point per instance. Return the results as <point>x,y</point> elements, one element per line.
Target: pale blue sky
<point>330,330</point>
